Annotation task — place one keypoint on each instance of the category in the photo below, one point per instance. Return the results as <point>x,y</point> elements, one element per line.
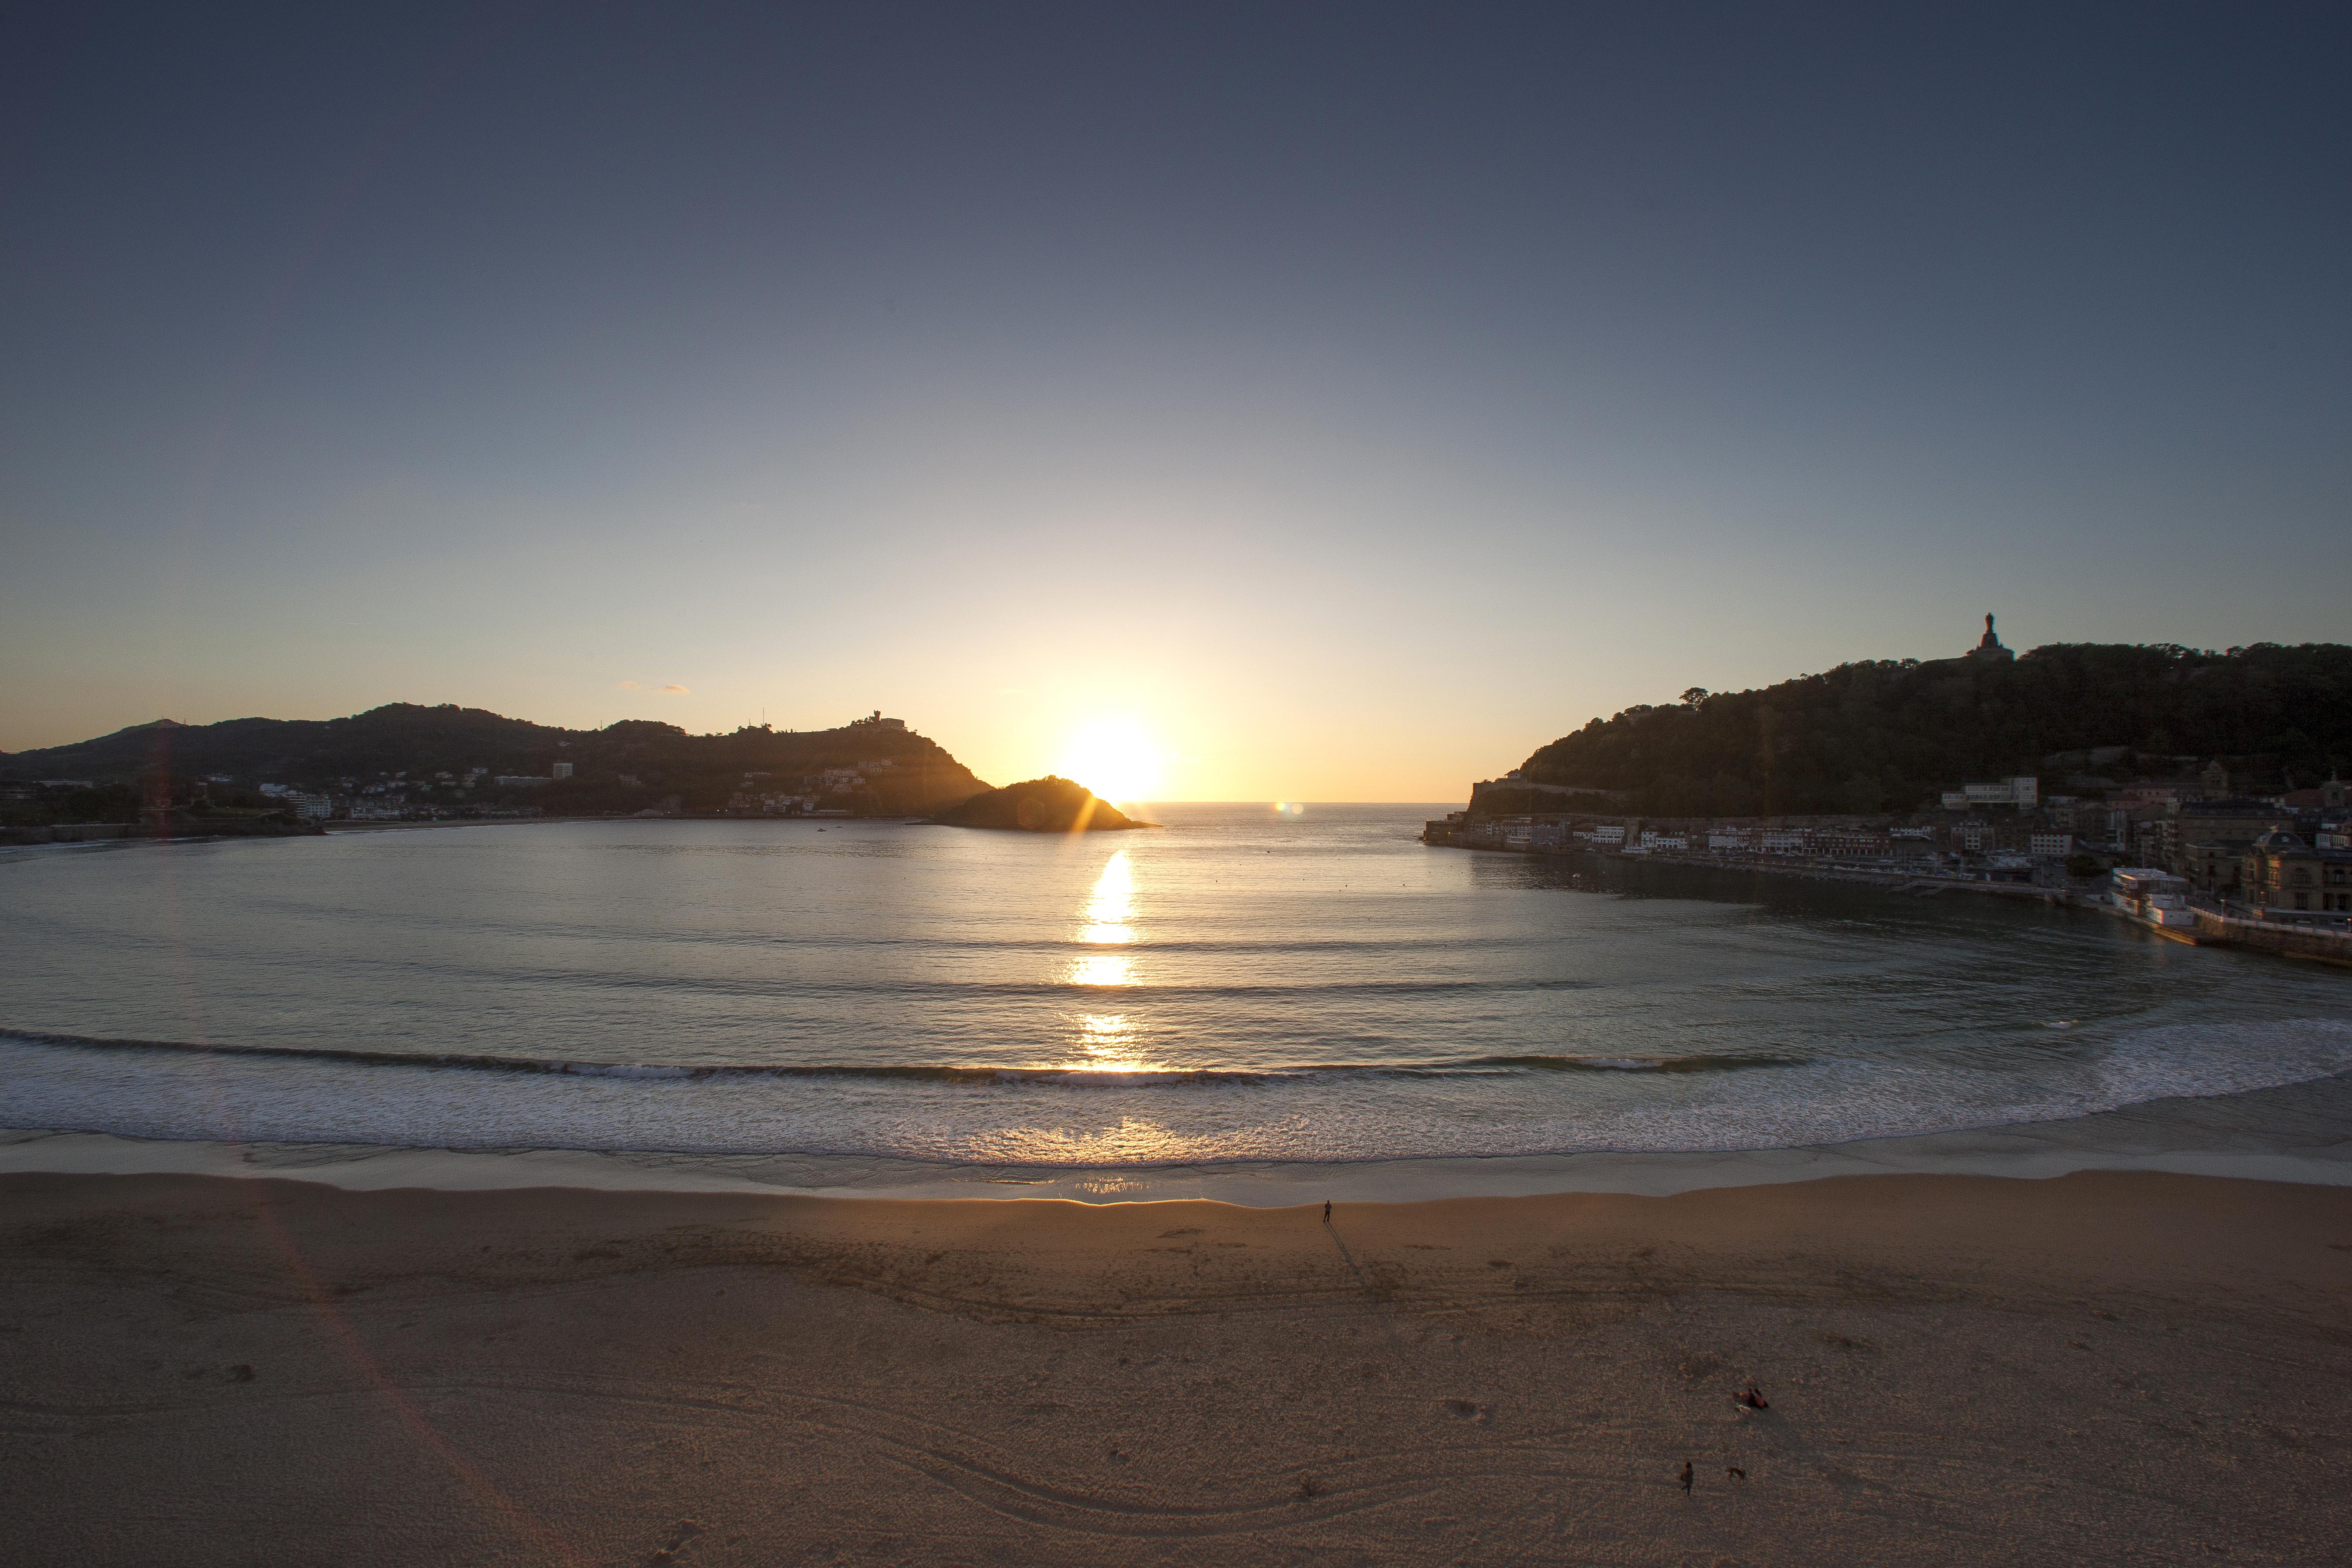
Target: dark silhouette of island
<point>1887,734</point>
<point>1050,804</point>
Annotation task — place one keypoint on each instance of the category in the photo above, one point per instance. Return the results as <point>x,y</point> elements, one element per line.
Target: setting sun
<point>1115,760</point>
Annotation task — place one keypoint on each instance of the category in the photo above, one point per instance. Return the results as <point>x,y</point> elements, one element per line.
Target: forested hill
<point>622,766</point>
<point>1887,735</point>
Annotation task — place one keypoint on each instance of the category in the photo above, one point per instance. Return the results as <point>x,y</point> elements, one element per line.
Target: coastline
<point>2099,1367</point>
<point>2294,1133</point>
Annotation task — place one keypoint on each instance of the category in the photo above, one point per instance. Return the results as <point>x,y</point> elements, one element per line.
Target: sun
<point>1114,758</point>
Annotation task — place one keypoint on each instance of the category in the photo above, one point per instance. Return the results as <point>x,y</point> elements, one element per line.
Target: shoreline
<point>2296,1134</point>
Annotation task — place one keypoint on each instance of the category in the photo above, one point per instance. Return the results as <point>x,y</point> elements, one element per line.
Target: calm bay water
<point>1242,985</point>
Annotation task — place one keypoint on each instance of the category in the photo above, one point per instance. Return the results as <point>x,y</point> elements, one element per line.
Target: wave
<point>1076,1076</point>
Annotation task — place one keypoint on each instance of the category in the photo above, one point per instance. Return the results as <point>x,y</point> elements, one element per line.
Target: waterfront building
<point>2281,872</point>
<point>2214,865</point>
<point>2205,820</point>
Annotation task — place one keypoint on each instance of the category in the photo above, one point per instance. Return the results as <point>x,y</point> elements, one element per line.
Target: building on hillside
<point>2147,799</point>
<point>2050,845</point>
<point>875,721</point>
<point>2022,793</point>
<point>562,770</point>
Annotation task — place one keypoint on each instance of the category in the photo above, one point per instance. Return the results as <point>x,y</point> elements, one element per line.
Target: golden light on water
<point>1135,1139</point>
<point>1102,969</point>
<point>1107,921</point>
<point>1111,905</point>
<point>1116,759</point>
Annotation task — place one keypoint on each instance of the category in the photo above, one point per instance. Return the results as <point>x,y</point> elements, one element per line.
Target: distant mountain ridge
<point>1887,735</point>
<point>627,765</point>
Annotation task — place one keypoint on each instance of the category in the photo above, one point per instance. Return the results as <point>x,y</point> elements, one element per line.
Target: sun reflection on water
<point>1134,1140</point>
<point>1111,905</point>
<point>1105,1041</point>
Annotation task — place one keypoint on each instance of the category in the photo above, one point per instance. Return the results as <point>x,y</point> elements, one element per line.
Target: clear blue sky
<point>1351,397</point>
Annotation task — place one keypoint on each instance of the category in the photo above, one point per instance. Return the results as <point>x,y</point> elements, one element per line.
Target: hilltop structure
<point>1989,646</point>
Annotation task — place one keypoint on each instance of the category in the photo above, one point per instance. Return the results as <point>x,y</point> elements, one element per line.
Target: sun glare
<point>1117,760</point>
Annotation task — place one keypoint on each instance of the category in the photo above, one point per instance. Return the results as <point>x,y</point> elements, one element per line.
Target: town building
<point>2214,865</point>
<point>2022,793</point>
<point>2211,821</point>
<point>2281,872</point>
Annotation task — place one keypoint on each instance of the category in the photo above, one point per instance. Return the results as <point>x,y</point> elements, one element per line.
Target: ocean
<point>1246,984</point>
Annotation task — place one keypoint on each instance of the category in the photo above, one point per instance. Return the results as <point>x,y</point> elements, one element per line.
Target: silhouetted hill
<point>627,765</point>
<point>1049,804</point>
<point>1887,735</point>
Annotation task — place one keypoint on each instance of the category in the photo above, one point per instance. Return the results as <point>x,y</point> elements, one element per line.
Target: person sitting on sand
<point>1753,1399</point>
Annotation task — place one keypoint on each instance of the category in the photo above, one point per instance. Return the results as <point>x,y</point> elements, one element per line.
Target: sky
<point>1338,402</point>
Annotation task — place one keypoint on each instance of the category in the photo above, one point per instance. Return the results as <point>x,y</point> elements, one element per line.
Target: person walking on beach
<point>1686,1477</point>
<point>1327,1211</point>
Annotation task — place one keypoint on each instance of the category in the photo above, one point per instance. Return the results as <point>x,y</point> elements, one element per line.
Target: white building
<point>2020,791</point>
<point>2051,845</point>
<point>1782,841</point>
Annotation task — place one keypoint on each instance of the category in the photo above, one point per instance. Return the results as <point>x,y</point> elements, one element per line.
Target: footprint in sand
<point>1466,1410</point>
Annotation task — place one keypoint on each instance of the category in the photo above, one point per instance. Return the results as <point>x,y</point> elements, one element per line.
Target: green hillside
<point>1886,735</point>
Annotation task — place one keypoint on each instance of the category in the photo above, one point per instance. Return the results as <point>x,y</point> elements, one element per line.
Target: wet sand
<point>2102,1367</point>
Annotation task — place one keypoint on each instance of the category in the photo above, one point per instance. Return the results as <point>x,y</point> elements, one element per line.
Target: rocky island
<point>1050,804</point>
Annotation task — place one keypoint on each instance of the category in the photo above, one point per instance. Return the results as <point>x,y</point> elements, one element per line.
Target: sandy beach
<point>2103,1367</point>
